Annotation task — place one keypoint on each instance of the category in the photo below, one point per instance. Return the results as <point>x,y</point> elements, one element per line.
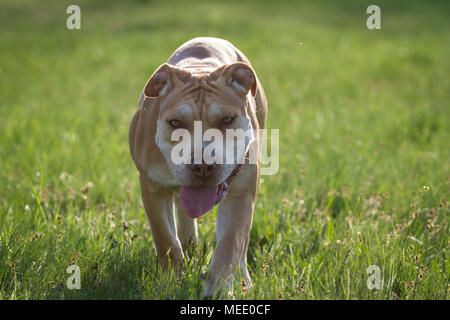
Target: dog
<point>209,80</point>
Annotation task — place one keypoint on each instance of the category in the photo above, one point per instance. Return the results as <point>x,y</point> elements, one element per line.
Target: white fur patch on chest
<point>160,174</point>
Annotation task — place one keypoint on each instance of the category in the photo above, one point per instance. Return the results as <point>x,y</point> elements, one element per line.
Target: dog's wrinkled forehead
<point>186,93</point>
<point>201,104</point>
<point>186,111</point>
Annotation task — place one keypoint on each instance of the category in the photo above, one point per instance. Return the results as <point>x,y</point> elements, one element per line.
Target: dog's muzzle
<point>198,200</point>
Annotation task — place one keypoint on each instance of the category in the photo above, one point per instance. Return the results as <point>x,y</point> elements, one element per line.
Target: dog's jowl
<point>206,81</point>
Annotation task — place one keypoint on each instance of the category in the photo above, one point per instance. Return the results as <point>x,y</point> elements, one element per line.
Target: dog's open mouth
<point>198,200</point>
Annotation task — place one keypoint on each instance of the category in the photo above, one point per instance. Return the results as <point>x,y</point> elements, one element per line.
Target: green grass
<point>363,118</point>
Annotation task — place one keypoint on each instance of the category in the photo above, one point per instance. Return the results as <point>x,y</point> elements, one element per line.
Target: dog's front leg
<point>158,204</point>
<point>186,226</point>
<point>234,219</point>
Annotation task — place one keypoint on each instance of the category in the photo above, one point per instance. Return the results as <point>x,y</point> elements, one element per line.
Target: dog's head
<point>202,106</point>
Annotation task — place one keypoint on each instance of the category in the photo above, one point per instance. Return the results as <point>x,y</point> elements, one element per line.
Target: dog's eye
<point>227,120</point>
<point>174,123</point>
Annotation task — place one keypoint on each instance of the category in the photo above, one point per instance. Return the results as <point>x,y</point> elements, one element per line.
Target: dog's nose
<point>203,170</point>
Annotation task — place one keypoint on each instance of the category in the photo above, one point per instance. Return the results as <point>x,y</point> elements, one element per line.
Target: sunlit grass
<point>364,165</point>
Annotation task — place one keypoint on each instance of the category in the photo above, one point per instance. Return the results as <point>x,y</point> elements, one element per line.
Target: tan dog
<point>208,80</point>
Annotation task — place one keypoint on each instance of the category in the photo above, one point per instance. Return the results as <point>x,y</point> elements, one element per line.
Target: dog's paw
<point>216,287</point>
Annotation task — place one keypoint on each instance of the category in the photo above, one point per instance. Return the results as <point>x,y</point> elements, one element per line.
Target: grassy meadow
<point>364,148</point>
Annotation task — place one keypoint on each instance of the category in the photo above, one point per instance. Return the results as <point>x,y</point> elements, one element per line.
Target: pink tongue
<point>197,200</point>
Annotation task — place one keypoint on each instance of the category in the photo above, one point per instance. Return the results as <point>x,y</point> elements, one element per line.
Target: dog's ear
<point>164,79</point>
<point>239,75</point>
